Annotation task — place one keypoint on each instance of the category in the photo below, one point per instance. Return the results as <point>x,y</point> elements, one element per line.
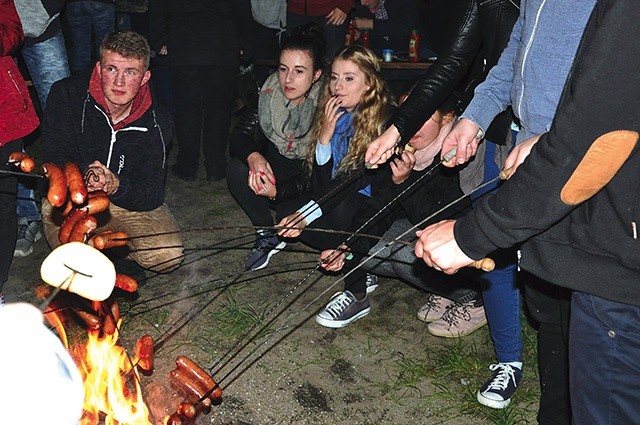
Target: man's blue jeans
<point>47,63</point>
<point>604,347</point>
<point>89,22</point>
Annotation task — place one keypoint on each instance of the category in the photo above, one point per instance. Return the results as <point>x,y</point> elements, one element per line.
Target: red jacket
<point>17,115</point>
<point>318,7</point>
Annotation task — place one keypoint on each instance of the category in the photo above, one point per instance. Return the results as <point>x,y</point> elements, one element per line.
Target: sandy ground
<point>300,372</point>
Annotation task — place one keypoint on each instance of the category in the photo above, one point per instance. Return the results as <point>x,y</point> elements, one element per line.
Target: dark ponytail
<point>308,38</point>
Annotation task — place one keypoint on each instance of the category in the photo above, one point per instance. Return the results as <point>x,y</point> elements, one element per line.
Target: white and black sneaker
<point>497,391</point>
<point>372,282</point>
<point>267,245</point>
<point>342,310</point>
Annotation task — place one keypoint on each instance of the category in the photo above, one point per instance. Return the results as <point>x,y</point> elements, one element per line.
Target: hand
<point>401,167</point>
<point>381,149</point>
<point>333,259</point>
<point>463,139</point>
<point>363,23</point>
<point>437,247</point>
<point>336,17</point>
<point>268,189</point>
<point>292,225</point>
<point>99,177</point>
<point>259,173</point>
<point>519,154</point>
<point>163,51</point>
<point>331,115</point>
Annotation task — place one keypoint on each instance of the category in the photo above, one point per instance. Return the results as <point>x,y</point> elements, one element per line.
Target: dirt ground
<point>376,371</point>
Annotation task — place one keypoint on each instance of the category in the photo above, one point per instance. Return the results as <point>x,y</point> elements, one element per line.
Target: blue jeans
<point>89,22</point>
<point>499,291</point>
<point>604,342</point>
<point>47,63</point>
<point>26,204</point>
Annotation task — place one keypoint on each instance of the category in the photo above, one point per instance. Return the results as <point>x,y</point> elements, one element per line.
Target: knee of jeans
<point>163,261</point>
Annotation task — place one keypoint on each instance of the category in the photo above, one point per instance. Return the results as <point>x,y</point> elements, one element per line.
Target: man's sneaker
<point>434,308</point>
<point>343,309</point>
<point>28,233</point>
<point>372,282</point>
<point>459,319</point>
<point>497,391</point>
<point>265,247</point>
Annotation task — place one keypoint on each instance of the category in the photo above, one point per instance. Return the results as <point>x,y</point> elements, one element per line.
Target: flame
<point>112,385</point>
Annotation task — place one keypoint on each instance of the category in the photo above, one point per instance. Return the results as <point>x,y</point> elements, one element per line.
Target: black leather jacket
<point>478,33</point>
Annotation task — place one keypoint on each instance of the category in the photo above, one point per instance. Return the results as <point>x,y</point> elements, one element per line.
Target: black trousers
<point>549,306</point>
<point>203,95</point>
<point>8,217</point>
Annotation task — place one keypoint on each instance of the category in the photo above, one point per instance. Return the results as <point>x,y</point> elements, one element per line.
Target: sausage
<point>187,408</point>
<point>97,203</point>
<point>16,157</point>
<point>68,224</point>
<point>183,382</point>
<point>57,193</point>
<point>67,208</point>
<point>83,228</point>
<point>27,165</point>
<point>91,320</point>
<point>126,283</point>
<point>145,352</point>
<point>202,378</point>
<point>174,419</point>
<point>109,239</point>
<point>75,182</point>
<point>111,311</point>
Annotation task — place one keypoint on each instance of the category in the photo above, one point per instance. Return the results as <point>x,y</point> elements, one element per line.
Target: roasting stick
<point>18,173</point>
<point>486,262</point>
<point>237,347</point>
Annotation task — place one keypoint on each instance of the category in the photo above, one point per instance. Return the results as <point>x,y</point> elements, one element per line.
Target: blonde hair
<point>369,117</point>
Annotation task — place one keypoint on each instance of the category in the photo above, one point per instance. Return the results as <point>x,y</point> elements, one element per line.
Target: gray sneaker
<point>265,247</point>
<point>342,310</point>
<point>28,233</point>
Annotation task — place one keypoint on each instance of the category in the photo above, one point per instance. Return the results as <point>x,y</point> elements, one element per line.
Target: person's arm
<point>434,86</point>
<point>401,13</point>
<point>246,136</point>
<point>11,35</point>
<point>244,24</point>
<point>58,136</point>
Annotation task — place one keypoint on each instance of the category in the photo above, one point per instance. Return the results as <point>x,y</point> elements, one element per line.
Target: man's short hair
<point>128,44</point>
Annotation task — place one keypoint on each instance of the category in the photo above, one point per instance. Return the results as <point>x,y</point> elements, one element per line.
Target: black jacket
<point>247,136</point>
<point>589,245</point>
<point>77,129</point>
<point>462,63</point>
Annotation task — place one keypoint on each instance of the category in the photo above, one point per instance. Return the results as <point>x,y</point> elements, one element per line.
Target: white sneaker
<point>28,233</point>
<point>372,282</point>
<point>459,320</point>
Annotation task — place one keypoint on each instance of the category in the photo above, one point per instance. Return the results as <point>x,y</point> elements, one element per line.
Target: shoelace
<point>501,380</point>
<point>456,311</point>
<point>263,243</point>
<point>338,305</point>
<point>433,302</point>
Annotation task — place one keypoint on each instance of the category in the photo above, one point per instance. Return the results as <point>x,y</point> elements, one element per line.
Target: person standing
<point>331,15</point>
<point>45,55</point>
<point>573,204</point>
<point>89,22</point>
<point>204,41</point>
<point>17,119</point>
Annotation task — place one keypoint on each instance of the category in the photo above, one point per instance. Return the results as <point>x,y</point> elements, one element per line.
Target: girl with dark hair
<point>272,138</point>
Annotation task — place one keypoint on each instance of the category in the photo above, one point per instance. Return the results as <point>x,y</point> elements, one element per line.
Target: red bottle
<point>365,38</point>
<point>350,36</point>
<point>414,46</point>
